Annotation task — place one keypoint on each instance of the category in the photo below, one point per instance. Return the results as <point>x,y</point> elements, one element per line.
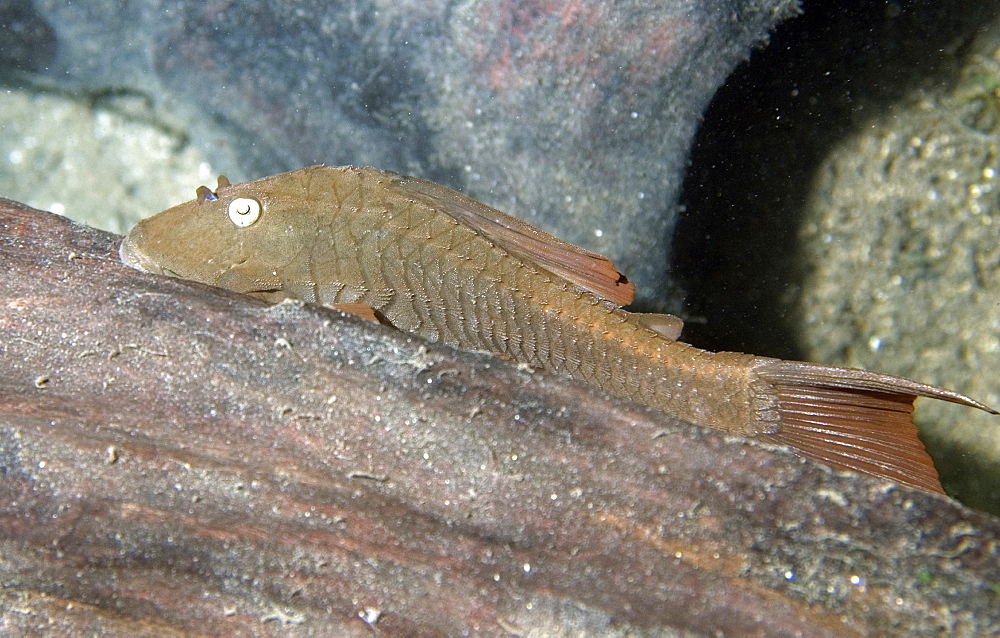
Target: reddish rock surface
<point>176,458</point>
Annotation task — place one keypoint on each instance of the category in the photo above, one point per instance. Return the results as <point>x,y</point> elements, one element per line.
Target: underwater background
<point>834,198</point>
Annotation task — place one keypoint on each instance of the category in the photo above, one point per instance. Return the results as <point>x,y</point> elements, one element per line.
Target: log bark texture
<point>176,458</point>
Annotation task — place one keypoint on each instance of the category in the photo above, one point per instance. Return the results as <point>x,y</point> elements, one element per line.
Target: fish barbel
<point>435,263</point>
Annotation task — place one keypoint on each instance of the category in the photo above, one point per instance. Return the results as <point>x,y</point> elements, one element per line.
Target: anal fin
<point>665,325</point>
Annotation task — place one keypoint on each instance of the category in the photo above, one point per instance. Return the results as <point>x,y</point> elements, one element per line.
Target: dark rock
<point>27,42</point>
<point>575,116</point>
<point>844,184</point>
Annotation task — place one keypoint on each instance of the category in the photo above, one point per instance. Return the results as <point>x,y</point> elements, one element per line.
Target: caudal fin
<point>855,419</point>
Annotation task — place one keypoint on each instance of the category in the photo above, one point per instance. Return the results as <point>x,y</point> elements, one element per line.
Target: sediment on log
<point>177,458</point>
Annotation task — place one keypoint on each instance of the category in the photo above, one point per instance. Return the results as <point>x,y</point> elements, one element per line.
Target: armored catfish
<point>440,265</point>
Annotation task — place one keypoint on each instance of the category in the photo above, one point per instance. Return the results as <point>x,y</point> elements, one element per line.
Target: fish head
<point>240,236</point>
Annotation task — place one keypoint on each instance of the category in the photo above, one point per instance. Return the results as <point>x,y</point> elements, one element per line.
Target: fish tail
<point>854,419</point>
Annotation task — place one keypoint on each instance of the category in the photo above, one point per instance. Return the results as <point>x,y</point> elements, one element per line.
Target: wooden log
<point>176,458</point>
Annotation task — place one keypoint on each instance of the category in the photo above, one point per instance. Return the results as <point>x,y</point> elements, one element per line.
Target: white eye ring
<point>244,211</point>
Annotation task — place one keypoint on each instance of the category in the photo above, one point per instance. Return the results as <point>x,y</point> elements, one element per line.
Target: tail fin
<point>855,419</point>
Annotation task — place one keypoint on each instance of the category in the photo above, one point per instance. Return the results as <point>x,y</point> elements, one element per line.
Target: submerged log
<point>178,458</point>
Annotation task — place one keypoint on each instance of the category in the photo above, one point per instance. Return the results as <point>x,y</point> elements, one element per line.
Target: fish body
<point>440,265</point>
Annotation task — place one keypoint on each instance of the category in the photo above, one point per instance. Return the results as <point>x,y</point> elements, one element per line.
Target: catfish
<point>435,263</point>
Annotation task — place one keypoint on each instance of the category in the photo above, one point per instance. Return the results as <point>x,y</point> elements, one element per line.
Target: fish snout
<point>132,256</point>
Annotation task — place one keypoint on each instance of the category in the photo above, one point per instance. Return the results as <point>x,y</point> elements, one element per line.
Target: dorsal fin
<point>580,267</point>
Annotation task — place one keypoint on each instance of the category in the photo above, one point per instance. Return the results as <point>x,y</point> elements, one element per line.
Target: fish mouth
<point>133,257</point>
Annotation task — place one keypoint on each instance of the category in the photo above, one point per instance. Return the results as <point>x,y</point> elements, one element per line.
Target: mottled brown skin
<point>404,248</point>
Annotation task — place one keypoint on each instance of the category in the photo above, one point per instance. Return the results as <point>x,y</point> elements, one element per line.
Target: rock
<point>917,193</point>
<point>865,184</point>
<point>576,116</point>
<point>177,458</point>
<point>26,41</point>
<point>119,162</point>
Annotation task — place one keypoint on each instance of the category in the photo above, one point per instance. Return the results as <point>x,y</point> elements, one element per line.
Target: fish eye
<point>244,211</point>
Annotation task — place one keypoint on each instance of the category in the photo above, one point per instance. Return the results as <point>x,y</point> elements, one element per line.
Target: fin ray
<point>855,420</point>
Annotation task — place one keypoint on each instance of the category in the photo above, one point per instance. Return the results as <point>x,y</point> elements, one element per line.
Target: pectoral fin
<point>358,309</point>
<point>580,267</point>
<point>251,278</point>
